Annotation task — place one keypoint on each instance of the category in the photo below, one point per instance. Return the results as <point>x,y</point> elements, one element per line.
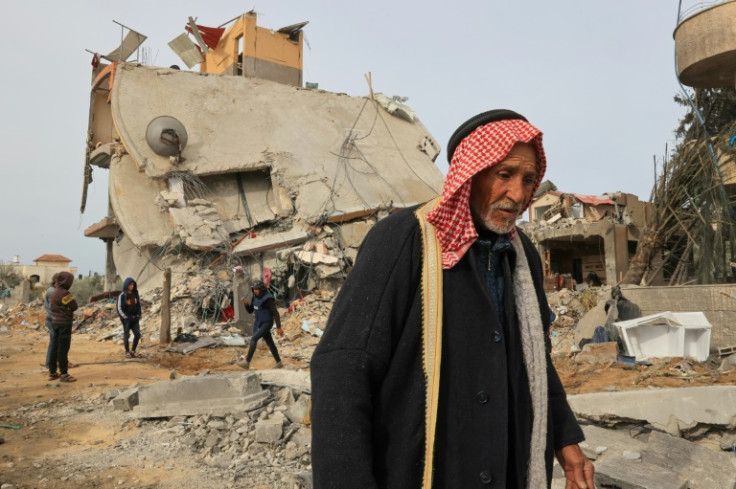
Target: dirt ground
<point>47,424</point>
<point>59,435</point>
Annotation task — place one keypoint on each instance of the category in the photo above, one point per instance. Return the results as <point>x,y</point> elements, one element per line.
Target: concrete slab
<point>226,195</point>
<point>294,379</point>
<point>218,395</point>
<point>269,240</point>
<point>701,467</point>
<point>668,410</point>
<point>615,442</point>
<point>621,473</point>
<point>303,136</point>
<point>132,199</point>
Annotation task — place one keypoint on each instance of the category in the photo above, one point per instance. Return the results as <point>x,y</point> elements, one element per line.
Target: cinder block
<point>127,400</point>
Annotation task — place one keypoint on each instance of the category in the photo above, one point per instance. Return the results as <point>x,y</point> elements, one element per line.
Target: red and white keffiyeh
<point>484,147</point>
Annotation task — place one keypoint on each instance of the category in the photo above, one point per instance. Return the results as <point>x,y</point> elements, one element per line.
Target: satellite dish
<point>166,136</point>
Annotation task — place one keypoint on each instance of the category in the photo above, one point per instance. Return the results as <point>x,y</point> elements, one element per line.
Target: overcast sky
<point>598,78</point>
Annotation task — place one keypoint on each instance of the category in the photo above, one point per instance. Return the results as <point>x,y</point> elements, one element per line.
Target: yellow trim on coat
<point>431,332</point>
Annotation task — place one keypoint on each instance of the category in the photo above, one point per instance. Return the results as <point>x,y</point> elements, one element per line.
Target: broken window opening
<point>577,258</point>
<point>239,56</point>
<point>632,248</point>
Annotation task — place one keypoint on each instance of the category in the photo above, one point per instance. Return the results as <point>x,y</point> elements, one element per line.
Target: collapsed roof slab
<point>331,153</point>
<point>668,410</point>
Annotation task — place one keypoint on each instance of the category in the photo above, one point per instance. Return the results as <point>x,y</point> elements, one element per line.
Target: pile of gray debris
<point>253,425</point>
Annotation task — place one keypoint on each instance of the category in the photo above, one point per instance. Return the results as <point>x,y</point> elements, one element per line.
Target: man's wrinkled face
<point>499,194</point>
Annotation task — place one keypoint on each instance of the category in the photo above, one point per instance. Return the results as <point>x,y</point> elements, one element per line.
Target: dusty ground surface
<point>69,436</point>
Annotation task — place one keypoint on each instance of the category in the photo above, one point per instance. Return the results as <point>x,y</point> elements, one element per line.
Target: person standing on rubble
<point>266,314</point>
<point>129,311</point>
<point>434,370</point>
<point>47,306</point>
<point>63,306</point>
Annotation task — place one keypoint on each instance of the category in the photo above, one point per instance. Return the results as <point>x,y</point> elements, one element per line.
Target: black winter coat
<point>368,386</point>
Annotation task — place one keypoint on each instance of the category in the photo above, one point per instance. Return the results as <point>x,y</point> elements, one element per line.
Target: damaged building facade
<point>238,167</point>
<point>577,235</point>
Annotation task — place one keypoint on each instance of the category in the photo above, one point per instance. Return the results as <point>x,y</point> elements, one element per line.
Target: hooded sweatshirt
<point>63,304</point>
<point>129,305</point>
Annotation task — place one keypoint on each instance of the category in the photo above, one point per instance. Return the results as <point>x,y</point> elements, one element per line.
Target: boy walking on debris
<point>264,307</point>
<point>63,306</point>
<point>129,310</point>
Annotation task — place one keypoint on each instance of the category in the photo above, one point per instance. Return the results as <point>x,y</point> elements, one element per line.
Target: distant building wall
<point>541,205</point>
<point>719,309</point>
<point>44,272</point>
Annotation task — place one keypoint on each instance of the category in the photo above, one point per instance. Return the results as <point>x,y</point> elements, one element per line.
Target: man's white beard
<point>486,219</point>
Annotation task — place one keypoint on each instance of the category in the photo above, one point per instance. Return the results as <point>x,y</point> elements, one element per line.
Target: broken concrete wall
<point>266,168</point>
<point>579,234</point>
<point>20,294</point>
<point>570,240</point>
<point>720,309</point>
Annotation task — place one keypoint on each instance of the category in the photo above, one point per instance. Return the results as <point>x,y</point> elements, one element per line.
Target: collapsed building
<point>577,235</point>
<point>692,236</point>
<point>239,167</point>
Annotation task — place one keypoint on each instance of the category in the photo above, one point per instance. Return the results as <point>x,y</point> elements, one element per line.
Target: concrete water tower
<point>705,43</point>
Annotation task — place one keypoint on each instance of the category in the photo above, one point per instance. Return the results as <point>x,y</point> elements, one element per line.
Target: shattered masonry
<point>272,177</point>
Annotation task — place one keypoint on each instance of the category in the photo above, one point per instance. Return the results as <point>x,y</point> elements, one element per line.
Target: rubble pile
<point>569,306</point>
<point>267,447</point>
<point>242,190</point>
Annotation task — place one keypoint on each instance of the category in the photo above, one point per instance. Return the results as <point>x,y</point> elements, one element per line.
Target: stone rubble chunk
<point>303,437</point>
<point>298,410</point>
<point>269,431</point>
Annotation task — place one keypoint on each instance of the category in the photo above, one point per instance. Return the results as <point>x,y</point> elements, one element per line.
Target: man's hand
<point>280,331</point>
<point>578,469</point>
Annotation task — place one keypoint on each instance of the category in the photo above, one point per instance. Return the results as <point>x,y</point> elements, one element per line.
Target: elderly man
<point>434,369</point>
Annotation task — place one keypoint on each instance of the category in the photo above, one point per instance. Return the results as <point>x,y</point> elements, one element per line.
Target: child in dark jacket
<point>63,306</point>
<point>129,310</point>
